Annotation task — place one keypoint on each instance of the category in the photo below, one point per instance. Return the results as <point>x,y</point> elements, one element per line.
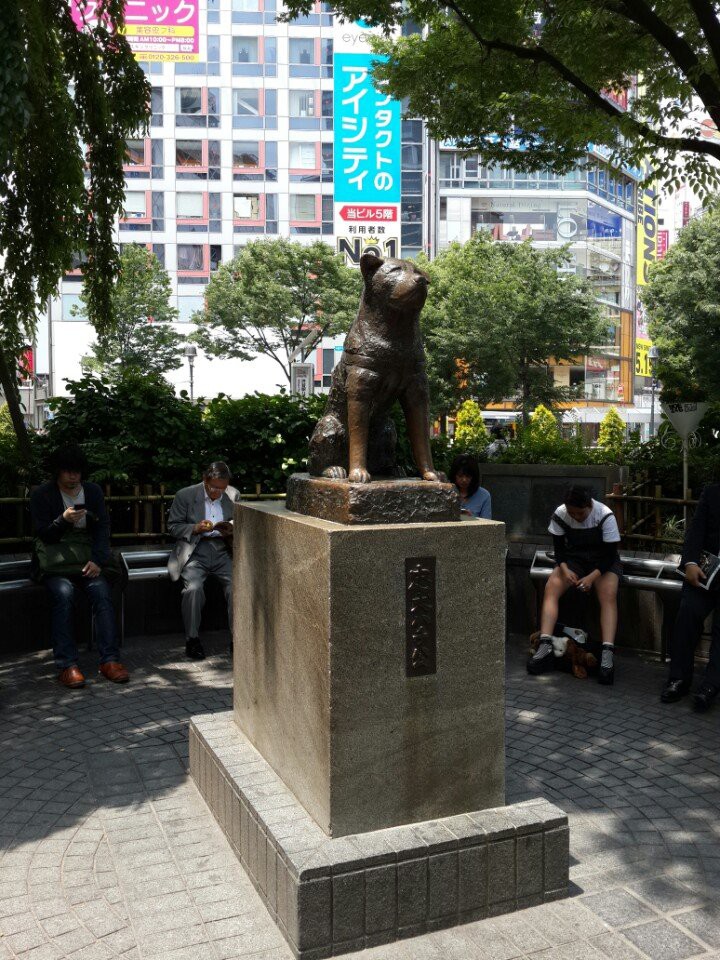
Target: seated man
<point>585,538</point>
<point>696,604</point>
<point>72,533</point>
<point>200,519</point>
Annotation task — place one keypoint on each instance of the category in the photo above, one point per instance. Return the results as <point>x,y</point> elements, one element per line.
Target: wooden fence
<point>647,519</point>
<point>137,517</point>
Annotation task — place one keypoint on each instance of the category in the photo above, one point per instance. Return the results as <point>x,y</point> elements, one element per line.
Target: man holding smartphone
<point>67,512</point>
<point>200,519</point>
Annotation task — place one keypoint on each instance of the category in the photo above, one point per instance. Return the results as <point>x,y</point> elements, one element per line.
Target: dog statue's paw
<point>359,475</point>
<point>335,473</point>
<point>431,475</point>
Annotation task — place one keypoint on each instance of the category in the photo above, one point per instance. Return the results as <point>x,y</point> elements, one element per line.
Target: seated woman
<point>585,538</point>
<point>474,499</point>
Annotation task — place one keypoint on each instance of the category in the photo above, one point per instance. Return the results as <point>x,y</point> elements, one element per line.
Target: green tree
<point>531,84</point>
<point>271,295</point>
<point>612,433</point>
<point>470,430</point>
<point>68,101</point>
<point>139,335</point>
<point>683,303</point>
<point>543,425</point>
<point>496,313</point>
<point>132,429</point>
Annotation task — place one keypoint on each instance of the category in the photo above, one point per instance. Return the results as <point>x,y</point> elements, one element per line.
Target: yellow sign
<point>646,231</point>
<point>642,359</point>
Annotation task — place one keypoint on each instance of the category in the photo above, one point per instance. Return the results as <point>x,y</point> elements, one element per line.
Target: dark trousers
<point>62,601</point>
<point>695,606</point>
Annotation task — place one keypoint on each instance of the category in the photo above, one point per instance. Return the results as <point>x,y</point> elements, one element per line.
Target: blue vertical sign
<point>367,134</point>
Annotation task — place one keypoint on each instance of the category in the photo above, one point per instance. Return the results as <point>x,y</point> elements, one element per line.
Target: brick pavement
<point>107,850</point>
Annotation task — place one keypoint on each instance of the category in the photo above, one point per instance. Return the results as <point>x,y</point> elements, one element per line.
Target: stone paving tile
<point>107,850</point>
<point>661,940</point>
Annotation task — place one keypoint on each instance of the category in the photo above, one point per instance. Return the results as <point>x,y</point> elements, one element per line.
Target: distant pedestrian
<point>696,604</point>
<point>474,499</point>
<point>72,548</point>
<point>201,520</point>
<point>585,542</point>
<point>498,443</point>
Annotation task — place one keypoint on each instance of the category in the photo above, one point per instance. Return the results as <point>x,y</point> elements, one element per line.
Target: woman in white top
<point>585,541</point>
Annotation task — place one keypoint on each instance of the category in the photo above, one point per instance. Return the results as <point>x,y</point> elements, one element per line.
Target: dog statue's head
<point>397,284</point>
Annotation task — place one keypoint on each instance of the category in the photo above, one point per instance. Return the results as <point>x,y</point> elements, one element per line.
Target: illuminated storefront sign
<point>157,30</point>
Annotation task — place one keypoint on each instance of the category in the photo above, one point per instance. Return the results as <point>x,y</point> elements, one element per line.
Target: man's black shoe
<point>194,649</point>
<point>704,697</point>
<point>675,690</point>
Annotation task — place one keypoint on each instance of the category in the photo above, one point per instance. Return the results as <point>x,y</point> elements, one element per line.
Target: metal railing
<point>140,516</point>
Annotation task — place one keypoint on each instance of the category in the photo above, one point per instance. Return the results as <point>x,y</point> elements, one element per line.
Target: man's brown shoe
<point>72,678</point>
<point>115,672</point>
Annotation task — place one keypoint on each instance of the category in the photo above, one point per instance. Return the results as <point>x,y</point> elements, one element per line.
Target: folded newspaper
<point>709,564</point>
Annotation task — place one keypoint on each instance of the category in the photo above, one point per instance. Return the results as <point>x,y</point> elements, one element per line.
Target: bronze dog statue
<point>383,361</point>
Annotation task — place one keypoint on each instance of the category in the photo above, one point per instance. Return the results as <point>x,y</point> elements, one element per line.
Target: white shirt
<point>213,513</point>
<point>75,502</point>
<point>610,531</point>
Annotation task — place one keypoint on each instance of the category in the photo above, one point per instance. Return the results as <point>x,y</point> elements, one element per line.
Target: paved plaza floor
<point>107,849</point>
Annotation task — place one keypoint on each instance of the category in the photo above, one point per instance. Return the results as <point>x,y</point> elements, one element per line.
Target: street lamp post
<point>191,353</point>
<point>653,357</point>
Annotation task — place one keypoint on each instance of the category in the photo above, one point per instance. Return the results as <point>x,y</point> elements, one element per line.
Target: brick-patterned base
<point>334,896</point>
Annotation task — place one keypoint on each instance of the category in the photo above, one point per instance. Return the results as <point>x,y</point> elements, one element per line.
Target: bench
<point>655,576</point>
<point>141,565</point>
<point>15,576</point>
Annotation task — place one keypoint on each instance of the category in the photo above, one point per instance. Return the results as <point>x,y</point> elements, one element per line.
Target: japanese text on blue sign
<point>367,134</point>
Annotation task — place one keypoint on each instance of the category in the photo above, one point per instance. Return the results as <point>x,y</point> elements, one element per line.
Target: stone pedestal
<point>382,501</point>
<point>324,645</point>
<point>360,777</point>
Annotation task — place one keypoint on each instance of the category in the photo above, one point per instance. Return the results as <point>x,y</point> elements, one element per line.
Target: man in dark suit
<point>200,519</point>
<point>696,604</point>
<point>69,508</point>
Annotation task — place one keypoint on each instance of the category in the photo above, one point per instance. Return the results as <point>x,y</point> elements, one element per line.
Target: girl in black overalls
<point>586,558</point>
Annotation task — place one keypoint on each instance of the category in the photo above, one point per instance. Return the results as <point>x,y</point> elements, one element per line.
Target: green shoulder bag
<point>67,557</point>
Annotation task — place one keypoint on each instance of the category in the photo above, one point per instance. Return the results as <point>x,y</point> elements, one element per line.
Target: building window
<point>187,306</point>
<point>188,153</point>
<point>188,100</point>
<point>70,302</point>
<point>246,103</point>
<point>215,256</point>
<point>135,205</point>
<point>302,103</point>
<point>245,50</point>
<point>302,50</point>
<point>135,153</point>
<point>156,106</point>
<point>190,206</point>
<point>246,153</point>
<point>245,6</point>
<point>190,257</point>
<point>303,156</point>
<point>302,207</point>
<point>246,206</point>
<point>326,52</point>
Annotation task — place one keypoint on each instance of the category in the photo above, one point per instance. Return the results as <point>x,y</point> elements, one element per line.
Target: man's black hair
<point>578,496</point>
<point>68,458</point>
<point>466,463</point>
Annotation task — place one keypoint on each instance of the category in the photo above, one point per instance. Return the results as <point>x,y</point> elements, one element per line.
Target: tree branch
<point>638,12</point>
<point>539,55</point>
<point>707,18</point>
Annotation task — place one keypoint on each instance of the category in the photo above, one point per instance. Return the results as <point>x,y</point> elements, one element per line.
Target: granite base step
<point>335,896</point>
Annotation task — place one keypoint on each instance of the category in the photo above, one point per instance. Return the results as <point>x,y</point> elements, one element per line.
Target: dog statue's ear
<point>370,263</point>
